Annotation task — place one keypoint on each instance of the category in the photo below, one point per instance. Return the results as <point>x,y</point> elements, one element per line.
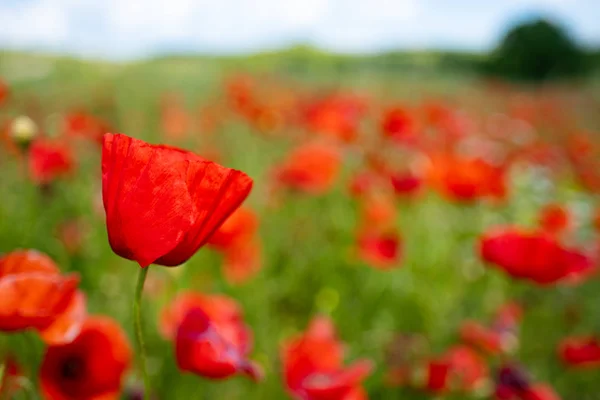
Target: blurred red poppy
<point>467,179</point>
<point>90,367</point>
<point>398,125</point>
<point>49,160</point>
<point>533,256</point>
<point>310,168</point>
<point>437,375</point>
<point>241,225</point>
<point>175,118</point>
<point>336,116</point>
<point>554,219</point>
<point>406,184</point>
<point>162,203</point>
<point>36,296</point>
<point>82,124</point>
<point>4,91</point>
<point>381,250</point>
<point>580,351</point>
<point>501,337</point>
<point>468,370</point>
<point>211,339</point>
<point>484,338</point>
<point>242,261</point>
<point>313,367</point>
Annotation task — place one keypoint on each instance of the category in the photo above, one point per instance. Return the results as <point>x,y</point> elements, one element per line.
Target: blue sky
<point>136,28</point>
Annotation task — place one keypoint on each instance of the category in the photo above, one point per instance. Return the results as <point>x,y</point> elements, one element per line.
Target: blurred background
<point>387,139</point>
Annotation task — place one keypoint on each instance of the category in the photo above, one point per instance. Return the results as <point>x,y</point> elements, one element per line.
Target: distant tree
<point>537,51</point>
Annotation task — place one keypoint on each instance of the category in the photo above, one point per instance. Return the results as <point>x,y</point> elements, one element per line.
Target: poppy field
<point>215,229</point>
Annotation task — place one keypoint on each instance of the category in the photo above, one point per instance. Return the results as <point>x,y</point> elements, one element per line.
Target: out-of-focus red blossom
<point>310,168</point>
<point>363,183</point>
<point>437,375</point>
<point>378,241</point>
<point>211,339</point>
<point>239,90</point>
<point>468,370</point>
<point>534,256</point>
<point>406,184</point>
<point>484,338</point>
<point>4,91</point>
<point>513,384</point>
<point>82,124</point>
<point>36,296</point>
<point>378,211</point>
<point>313,366</point>
<point>49,160</point>
<point>175,119</point>
<point>162,204</point>
<point>71,235</point>
<point>554,219</point>
<point>237,240</point>
<point>337,116</point>
<point>12,373</point>
<point>381,250</point>
<point>241,225</point>
<point>242,261</point>
<point>583,154</point>
<point>500,337</point>
<point>466,179</point>
<point>91,367</point>
<point>580,351</point>
<point>399,125</point>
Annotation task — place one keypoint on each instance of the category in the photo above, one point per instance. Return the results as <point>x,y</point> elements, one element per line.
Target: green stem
<point>139,336</point>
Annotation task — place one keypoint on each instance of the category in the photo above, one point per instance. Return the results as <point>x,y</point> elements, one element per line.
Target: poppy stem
<point>139,335</point>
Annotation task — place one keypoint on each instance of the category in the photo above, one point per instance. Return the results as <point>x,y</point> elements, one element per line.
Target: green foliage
<point>538,51</point>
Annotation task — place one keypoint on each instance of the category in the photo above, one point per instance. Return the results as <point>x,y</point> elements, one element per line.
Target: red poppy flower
<point>336,116</point>
<point>377,212</point>
<point>554,219</point>
<point>311,168</point>
<point>175,118</point>
<point>468,369</point>
<point>581,351</point>
<point>381,250</point>
<point>240,226</point>
<point>438,374</point>
<point>211,339</point>
<point>532,256</point>
<point>362,183</point>
<point>313,367</point>
<point>91,367</point>
<point>4,91</point>
<point>49,160</point>
<point>242,261</point>
<point>466,179</point>
<point>36,296</point>
<point>500,337</point>
<point>80,123</point>
<point>398,124</point>
<point>475,334</point>
<point>406,184</point>
<point>162,204</point>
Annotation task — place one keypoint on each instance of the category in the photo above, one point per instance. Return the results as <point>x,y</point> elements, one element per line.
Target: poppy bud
<point>23,130</point>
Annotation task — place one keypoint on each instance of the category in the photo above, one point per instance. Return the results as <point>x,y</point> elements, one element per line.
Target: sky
<point>127,29</point>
